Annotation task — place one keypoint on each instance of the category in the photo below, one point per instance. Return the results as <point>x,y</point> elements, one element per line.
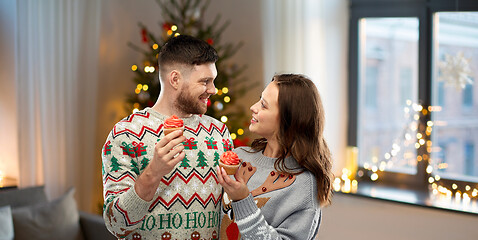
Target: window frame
<point>423,10</point>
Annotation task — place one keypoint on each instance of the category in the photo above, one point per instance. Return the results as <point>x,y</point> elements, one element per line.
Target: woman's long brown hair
<point>301,130</point>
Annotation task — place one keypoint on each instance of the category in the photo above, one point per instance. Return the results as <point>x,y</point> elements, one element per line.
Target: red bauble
<point>167,26</point>
<point>144,35</point>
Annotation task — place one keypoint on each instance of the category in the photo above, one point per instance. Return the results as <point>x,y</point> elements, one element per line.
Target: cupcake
<point>230,162</point>
<point>172,124</point>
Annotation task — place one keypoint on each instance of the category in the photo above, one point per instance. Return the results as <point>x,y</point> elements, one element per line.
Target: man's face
<point>196,89</point>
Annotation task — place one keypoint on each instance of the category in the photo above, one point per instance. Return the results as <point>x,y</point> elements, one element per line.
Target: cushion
<point>58,219</point>
<point>22,197</point>
<point>6,224</point>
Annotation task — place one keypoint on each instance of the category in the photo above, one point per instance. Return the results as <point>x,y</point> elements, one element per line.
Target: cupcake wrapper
<point>170,130</point>
<point>230,169</point>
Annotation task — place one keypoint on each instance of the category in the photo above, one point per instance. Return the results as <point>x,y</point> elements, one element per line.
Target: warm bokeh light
<point>374,177</point>
<point>431,180</point>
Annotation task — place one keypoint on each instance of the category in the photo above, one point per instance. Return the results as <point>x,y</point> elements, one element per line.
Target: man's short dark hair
<point>187,50</point>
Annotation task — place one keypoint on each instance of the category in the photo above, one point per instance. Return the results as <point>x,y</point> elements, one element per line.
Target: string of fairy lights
<point>441,194</point>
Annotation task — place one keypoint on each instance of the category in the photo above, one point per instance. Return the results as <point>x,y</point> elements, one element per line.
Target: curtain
<point>8,104</point>
<point>56,70</point>
<point>310,37</point>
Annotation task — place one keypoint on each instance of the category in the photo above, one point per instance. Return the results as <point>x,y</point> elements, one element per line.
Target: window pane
<point>468,95</point>
<point>455,130</point>
<point>388,83</point>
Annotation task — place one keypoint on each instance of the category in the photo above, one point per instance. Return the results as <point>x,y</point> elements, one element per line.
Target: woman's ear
<point>174,79</point>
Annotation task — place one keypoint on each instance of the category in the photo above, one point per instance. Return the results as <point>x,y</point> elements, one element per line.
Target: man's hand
<point>167,153</point>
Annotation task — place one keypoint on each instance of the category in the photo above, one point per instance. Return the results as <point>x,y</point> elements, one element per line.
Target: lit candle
<point>347,186</point>
<point>337,184</point>
<point>1,178</point>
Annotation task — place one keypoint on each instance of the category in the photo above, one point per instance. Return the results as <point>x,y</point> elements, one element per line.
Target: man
<point>165,187</point>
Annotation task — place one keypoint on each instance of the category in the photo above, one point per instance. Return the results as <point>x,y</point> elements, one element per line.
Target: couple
<point>171,187</point>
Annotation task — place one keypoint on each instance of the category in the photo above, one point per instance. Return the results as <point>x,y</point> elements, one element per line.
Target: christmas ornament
<point>455,71</point>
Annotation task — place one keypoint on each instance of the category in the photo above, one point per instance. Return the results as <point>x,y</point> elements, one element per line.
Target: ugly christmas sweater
<point>187,202</point>
<point>280,206</point>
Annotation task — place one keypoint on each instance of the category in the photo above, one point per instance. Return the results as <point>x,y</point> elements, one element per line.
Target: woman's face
<point>265,113</point>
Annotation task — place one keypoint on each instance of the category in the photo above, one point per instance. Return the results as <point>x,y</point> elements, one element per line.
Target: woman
<point>286,173</point>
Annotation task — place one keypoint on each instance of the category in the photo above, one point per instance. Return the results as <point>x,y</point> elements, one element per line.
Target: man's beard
<point>188,104</point>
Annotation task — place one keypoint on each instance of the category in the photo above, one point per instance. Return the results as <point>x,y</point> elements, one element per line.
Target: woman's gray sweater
<point>278,207</point>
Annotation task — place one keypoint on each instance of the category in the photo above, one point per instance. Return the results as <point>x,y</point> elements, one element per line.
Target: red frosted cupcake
<point>172,124</point>
<point>230,162</point>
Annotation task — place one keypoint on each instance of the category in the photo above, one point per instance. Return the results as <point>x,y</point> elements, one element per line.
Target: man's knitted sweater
<point>186,203</point>
<point>279,206</point>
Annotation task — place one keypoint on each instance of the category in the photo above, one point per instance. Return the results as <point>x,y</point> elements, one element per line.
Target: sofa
<point>27,214</point>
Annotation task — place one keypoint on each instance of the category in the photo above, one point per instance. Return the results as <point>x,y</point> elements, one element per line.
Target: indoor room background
<point>66,71</point>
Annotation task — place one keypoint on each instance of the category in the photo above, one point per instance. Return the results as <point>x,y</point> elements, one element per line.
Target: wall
<point>353,217</point>
<point>348,218</point>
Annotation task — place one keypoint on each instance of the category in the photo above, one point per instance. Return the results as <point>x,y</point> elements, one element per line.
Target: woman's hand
<point>235,189</point>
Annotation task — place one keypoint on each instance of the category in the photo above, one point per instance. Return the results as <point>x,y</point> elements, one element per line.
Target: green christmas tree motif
<point>185,162</point>
<point>103,169</point>
<point>201,160</point>
<point>115,165</point>
<point>216,159</point>
<point>144,163</point>
<point>134,166</point>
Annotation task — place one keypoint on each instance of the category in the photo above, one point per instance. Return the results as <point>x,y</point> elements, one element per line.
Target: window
<point>371,87</point>
<point>455,40</point>
<point>440,94</point>
<point>407,82</point>
<point>413,116</point>
<point>468,95</point>
<point>470,160</point>
<point>389,63</point>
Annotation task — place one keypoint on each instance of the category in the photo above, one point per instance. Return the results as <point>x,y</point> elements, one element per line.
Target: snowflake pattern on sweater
<point>186,203</point>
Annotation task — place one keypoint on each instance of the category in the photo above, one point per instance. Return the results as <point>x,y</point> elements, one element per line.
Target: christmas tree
<point>114,164</point>
<point>144,163</point>
<point>201,160</point>
<point>188,17</point>
<point>185,162</point>
<point>216,159</point>
<point>134,166</point>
